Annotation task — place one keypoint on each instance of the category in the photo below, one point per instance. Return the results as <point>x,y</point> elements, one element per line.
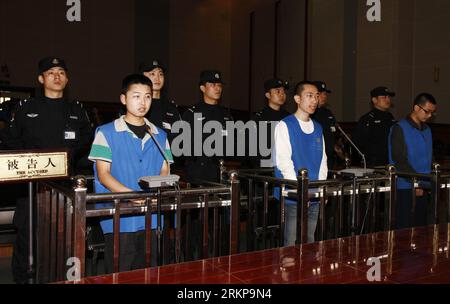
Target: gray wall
<point>200,34</point>
<point>152,31</point>
<point>431,49</point>
<point>352,55</point>
<point>99,50</point>
<point>327,42</point>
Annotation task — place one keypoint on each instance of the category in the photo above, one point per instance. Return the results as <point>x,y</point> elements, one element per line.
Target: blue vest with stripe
<point>420,150</point>
<point>307,150</point>
<point>130,162</point>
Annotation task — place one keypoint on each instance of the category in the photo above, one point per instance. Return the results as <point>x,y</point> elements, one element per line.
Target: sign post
<point>30,166</point>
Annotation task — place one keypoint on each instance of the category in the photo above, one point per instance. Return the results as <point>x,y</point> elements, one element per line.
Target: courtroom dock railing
<point>63,210</point>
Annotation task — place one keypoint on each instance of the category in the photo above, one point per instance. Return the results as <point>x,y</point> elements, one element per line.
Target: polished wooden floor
<point>419,255</point>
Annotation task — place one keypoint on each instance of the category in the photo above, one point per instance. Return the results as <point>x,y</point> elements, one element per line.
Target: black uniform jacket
<point>44,123</point>
<point>205,167</point>
<point>265,119</point>
<point>163,114</point>
<point>371,136</point>
<point>327,120</point>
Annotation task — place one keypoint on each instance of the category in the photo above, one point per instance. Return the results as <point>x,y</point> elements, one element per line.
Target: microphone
<point>149,131</point>
<point>353,145</point>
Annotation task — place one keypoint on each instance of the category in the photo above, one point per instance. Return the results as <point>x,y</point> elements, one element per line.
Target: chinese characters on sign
<point>24,166</point>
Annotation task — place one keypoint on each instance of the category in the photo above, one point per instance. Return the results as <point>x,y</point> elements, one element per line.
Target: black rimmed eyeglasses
<point>428,112</point>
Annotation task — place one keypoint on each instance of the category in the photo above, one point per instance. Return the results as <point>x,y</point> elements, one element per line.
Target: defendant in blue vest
<point>299,144</point>
<point>123,152</point>
<point>411,150</point>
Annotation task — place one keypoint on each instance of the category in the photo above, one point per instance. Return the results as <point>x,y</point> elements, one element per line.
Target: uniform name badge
<point>70,135</point>
<point>167,126</point>
<point>333,129</point>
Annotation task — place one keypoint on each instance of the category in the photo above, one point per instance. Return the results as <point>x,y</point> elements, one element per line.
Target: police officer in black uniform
<point>50,121</point>
<point>204,167</point>
<point>275,91</point>
<point>163,112</point>
<point>372,131</point>
<point>326,118</point>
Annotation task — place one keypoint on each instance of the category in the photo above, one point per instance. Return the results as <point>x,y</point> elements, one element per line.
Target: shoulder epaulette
<point>78,103</point>
<point>23,101</point>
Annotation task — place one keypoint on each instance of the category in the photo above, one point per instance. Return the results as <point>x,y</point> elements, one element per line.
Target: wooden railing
<point>63,211</point>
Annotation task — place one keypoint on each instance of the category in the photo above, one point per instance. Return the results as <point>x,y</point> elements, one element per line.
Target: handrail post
<point>43,223</point>
<point>205,231</point>
<point>222,170</point>
<point>79,222</point>
<point>251,216</point>
<point>178,229</point>
<point>31,271</point>
<point>448,199</point>
<point>354,224</point>
<point>235,206</point>
<point>148,232</point>
<point>282,218</point>
<point>435,190</point>
<point>302,207</point>
<point>392,196</point>
<point>265,212</point>
<point>159,229</point>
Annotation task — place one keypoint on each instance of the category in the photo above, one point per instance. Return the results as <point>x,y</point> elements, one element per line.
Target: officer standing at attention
<point>46,122</point>
<point>275,92</point>
<point>204,167</point>
<point>163,112</point>
<point>372,131</point>
<point>325,117</point>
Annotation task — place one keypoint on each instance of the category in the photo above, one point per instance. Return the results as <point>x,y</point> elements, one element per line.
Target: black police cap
<point>275,83</point>
<point>149,66</point>
<point>211,76</point>
<point>47,63</point>
<point>322,86</point>
<point>381,91</point>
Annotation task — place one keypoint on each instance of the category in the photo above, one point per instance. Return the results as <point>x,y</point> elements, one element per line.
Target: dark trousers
<point>404,207</point>
<point>131,251</point>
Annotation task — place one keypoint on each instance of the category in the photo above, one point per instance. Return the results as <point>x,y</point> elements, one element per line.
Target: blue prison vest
<point>129,163</point>
<point>307,150</point>
<point>420,151</point>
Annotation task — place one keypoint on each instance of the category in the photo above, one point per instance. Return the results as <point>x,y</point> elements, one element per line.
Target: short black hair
<point>135,79</point>
<point>300,87</point>
<point>423,98</point>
